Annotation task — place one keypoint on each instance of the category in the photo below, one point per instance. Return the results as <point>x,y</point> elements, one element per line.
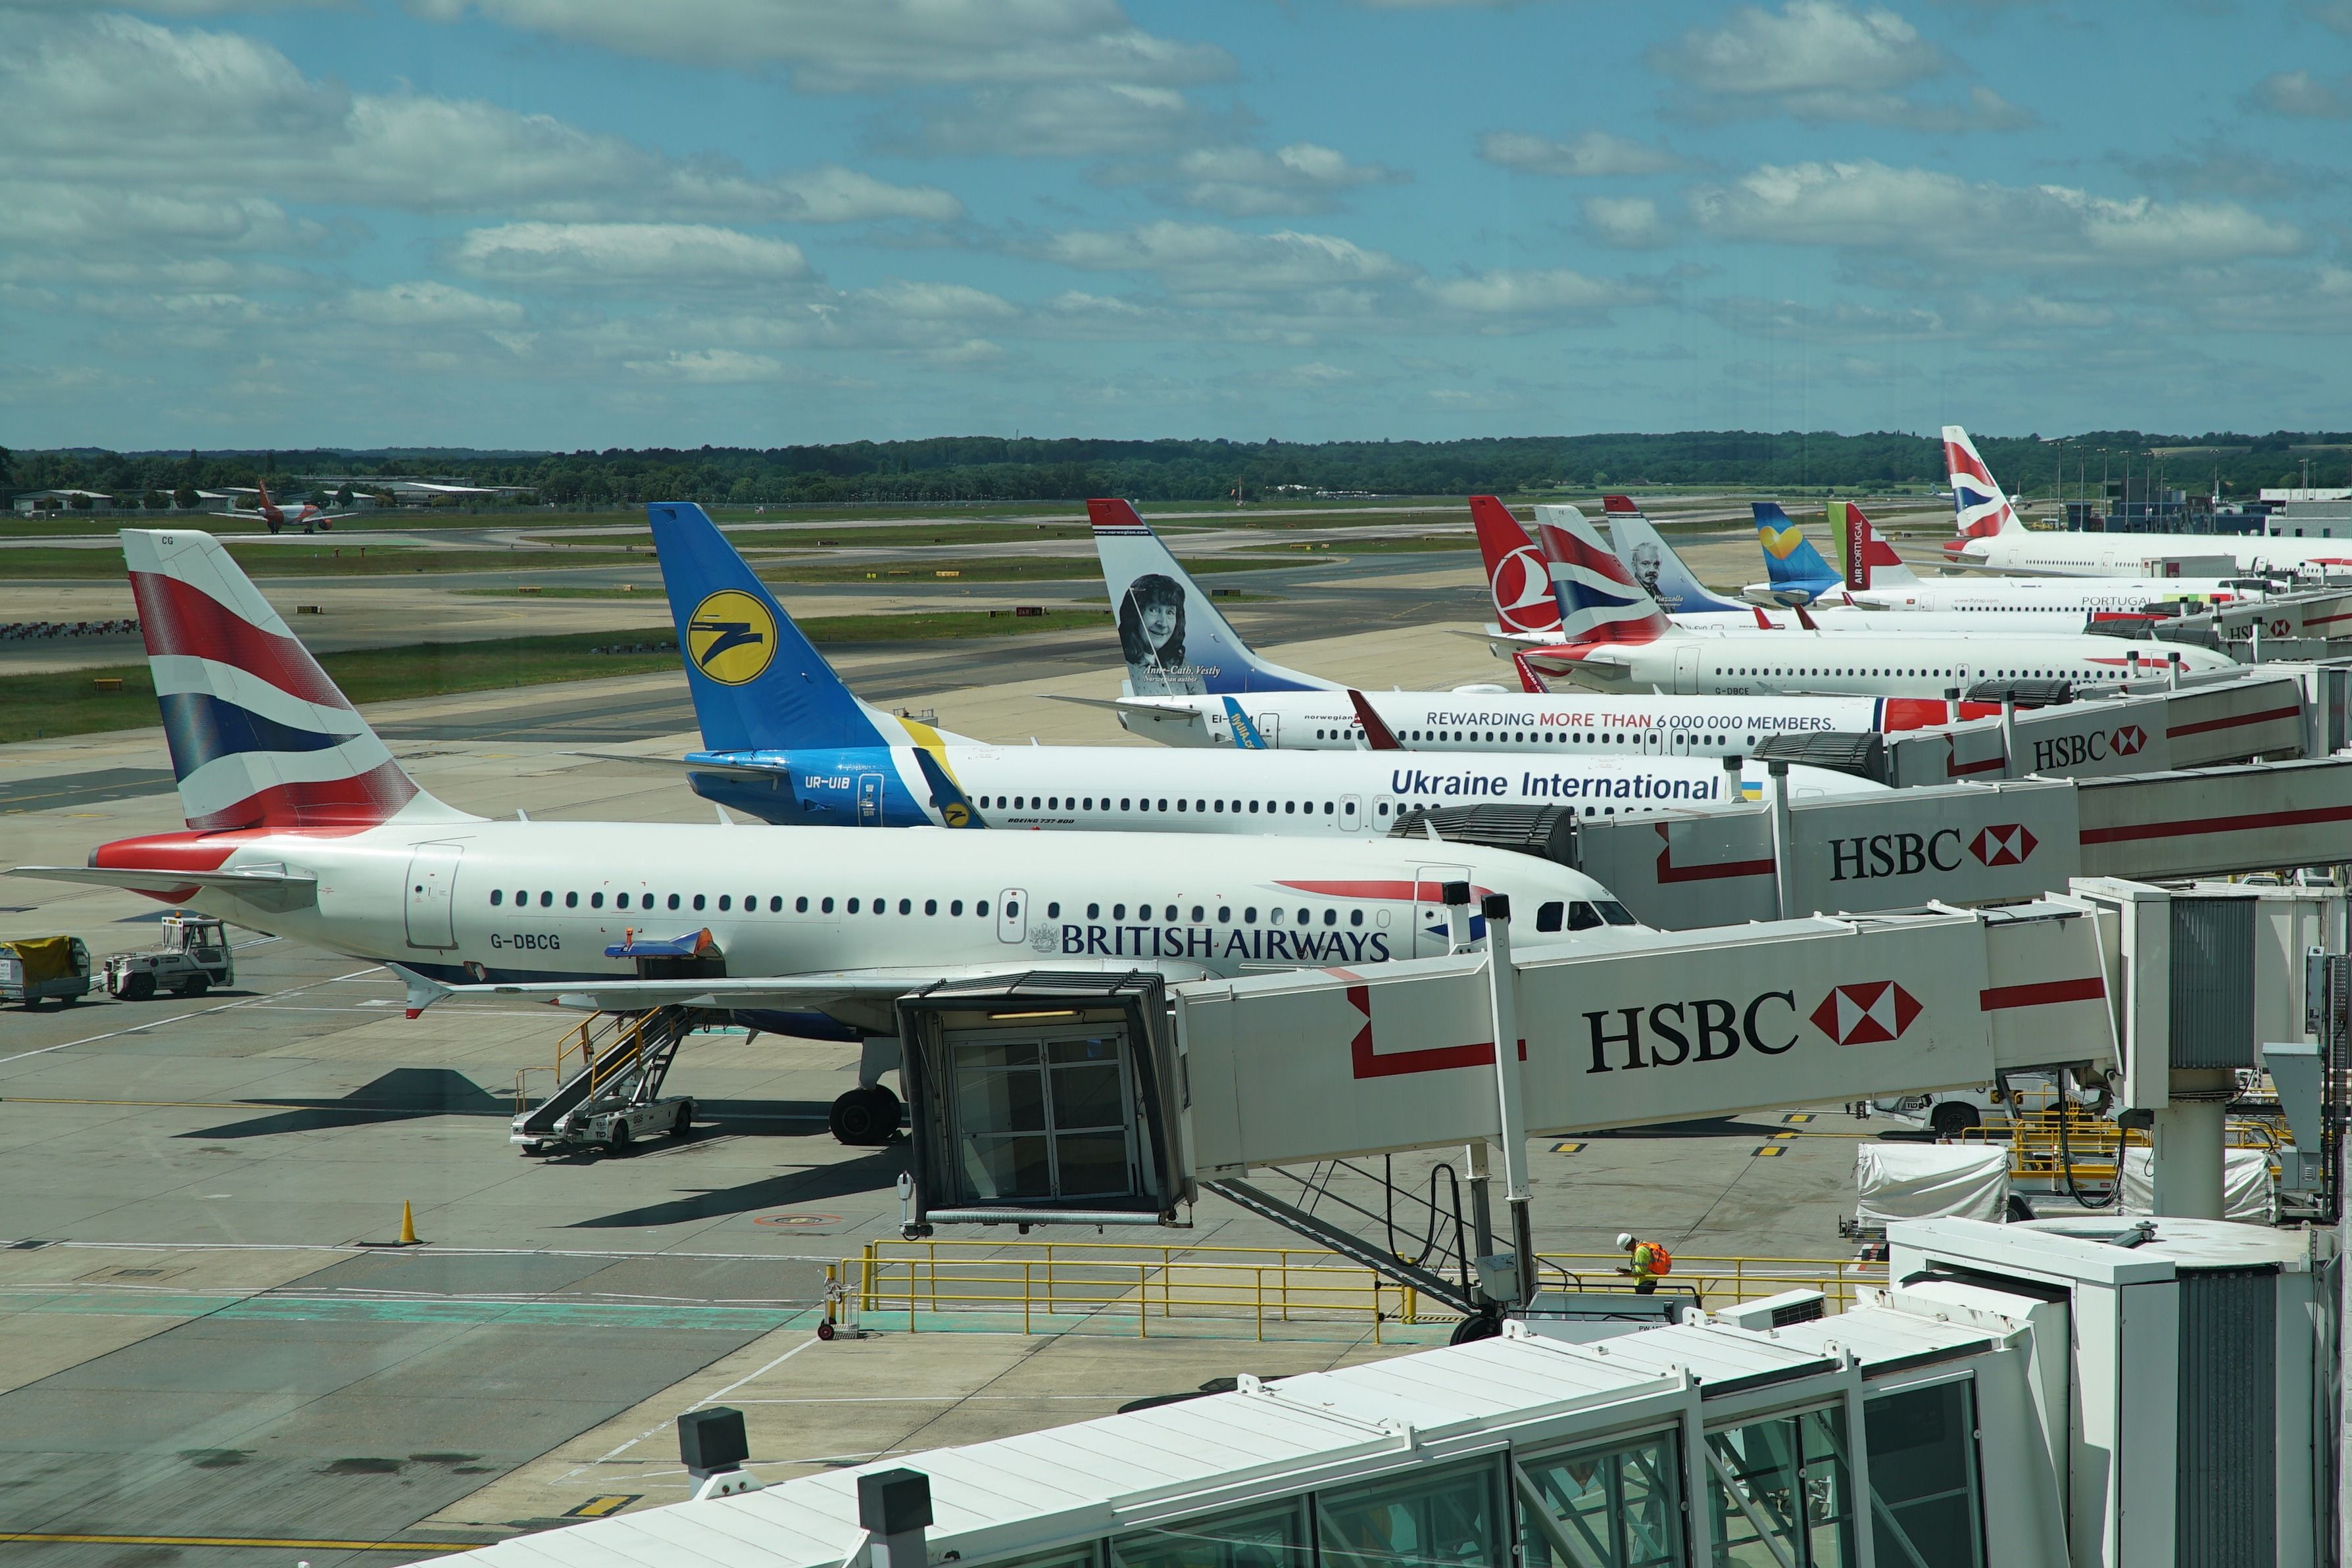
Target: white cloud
<point>1629,223</point>
<point>1065,120</point>
<point>936,302</point>
<point>427,304</point>
<point>710,367</point>
<point>1508,291</point>
<point>672,254</point>
<point>1870,206</point>
<point>1245,181</point>
<point>1592,155</point>
<point>2302,95</point>
<point>1825,61</point>
<point>2332,13</point>
<point>1194,258</point>
<point>829,45</point>
<point>139,132</point>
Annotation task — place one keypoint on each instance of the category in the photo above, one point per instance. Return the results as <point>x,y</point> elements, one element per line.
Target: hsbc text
<point>1893,854</point>
<point>1707,1029</point>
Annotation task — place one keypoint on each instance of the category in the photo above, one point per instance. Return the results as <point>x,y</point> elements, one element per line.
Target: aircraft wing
<point>1158,716</point>
<point>680,764</point>
<point>266,887</point>
<point>821,991</point>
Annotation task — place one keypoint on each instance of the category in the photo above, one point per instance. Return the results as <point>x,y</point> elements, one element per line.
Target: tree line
<point>949,470</point>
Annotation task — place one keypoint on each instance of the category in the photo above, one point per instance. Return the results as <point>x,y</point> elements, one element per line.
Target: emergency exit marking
<point>600,1506</point>
<point>796,1220</point>
<point>1769,1150</point>
<point>1796,1116</point>
<point>1568,1148</point>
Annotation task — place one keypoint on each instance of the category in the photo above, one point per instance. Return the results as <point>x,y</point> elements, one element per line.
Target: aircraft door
<point>1012,915</point>
<point>869,800</point>
<point>1265,729</point>
<point>1352,813</point>
<point>431,908</point>
<point>1430,936</point>
<point>1687,670</point>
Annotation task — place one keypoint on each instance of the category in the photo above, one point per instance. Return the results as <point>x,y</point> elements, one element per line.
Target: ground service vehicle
<point>34,969</point>
<point>193,959</point>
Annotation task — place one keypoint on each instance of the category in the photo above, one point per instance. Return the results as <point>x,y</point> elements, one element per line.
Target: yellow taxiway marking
<point>1568,1148</point>
<point>63,1538</point>
<point>600,1506</point>
<point>1798,1116</point>
<point>1769,1150</point>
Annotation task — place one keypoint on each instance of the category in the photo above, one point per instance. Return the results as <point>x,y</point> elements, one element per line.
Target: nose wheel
<point>866,1118</point>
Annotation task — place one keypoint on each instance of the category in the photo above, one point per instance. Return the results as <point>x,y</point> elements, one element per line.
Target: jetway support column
<point>2190,1138</point>
<point>1502,990</point>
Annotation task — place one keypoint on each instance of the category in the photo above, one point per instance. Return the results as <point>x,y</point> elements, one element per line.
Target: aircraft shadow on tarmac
<point>874,1173</point>
<point>408,1094</point>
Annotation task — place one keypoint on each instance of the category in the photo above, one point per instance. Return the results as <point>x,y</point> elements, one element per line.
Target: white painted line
<point>182,1017</point>
<point>706,1399</point>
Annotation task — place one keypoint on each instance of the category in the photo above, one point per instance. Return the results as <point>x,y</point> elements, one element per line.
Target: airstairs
<point>613,1061</point>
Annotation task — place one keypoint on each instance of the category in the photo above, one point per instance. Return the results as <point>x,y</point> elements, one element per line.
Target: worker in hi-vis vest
<point>1649,1261</point>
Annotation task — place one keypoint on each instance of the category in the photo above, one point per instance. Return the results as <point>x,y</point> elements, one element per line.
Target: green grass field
<point>35,561</point>
<point>982,569</point>
<point>68,702</point>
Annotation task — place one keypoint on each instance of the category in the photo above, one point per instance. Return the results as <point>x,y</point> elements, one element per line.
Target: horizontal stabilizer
<point>264,887</point>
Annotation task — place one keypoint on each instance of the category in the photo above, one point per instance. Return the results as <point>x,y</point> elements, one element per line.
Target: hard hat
<point>1624,1238</point>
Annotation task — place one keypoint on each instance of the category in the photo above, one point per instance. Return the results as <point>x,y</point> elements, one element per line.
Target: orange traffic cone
<point>408,1224</point>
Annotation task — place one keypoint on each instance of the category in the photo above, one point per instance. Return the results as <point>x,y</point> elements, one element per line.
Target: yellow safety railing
<point>2093,1144</point>
<point>607,1043</point>
<point>1121,1283</point>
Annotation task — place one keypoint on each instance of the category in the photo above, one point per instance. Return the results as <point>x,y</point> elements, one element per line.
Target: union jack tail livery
<point>1516,577</point>
<point>1869,559</point>
<point>1599,600</point>
<point>1979,509</point>
<point>259,736</point>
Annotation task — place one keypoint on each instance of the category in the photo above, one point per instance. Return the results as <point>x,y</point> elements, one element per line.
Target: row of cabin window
<point>1129,802</point>
<point>751,903</point>
<point>2028,674</point>
<point>1520,737</point>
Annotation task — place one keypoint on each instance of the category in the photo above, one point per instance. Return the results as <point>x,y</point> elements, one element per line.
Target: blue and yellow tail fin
<point>1790,559</point>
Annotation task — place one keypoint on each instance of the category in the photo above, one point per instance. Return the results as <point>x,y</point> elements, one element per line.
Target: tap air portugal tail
<point>1870,560</point>
<point>1599,600</point>
<point>1979,509</point>
<point>1656,570</point>
<point>1174,641</point>
<point>1793,569</point>
<point>1516,577</point>
<point>260,738</point>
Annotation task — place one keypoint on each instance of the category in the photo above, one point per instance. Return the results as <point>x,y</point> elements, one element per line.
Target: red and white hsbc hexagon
<point>1630,1027</point>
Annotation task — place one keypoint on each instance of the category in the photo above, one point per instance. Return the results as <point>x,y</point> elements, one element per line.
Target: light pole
<point>2058,473</point>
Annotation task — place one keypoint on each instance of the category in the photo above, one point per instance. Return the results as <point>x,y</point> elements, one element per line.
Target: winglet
<point>1805,620</point>
<point>1763,621</point>
<point>1376,734</point>
<point>1529,681</point>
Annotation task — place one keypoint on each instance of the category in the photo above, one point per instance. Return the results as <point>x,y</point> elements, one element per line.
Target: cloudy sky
<point>589,223</point>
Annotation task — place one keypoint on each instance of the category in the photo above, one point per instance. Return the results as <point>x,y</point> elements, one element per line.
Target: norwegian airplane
<point>1992,536</point>
<point>1248,707</point>
<point>301,823</point>
<point>1616,634</point>
<point>786,741</point>
<point>306,517</point>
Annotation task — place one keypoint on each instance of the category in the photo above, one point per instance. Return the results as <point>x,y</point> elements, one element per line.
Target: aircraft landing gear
<point>866,1118</point>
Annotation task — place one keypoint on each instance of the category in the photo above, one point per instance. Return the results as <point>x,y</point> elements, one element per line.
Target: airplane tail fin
<point>1979,509</point>
<point>1656,569</point>
<point>1870,560</point>
<point>758,684</point>
<point>259,735</point>
<point>1790,562</point>
<point>1174,640</point>
<point>1516,578</point>
<point>1599,600</point>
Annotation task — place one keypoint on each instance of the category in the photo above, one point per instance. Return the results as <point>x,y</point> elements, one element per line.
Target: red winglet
<point>1763,621</point>
<point>1803,619</point>
<point>1529,681</point>
<point>1381,737</point>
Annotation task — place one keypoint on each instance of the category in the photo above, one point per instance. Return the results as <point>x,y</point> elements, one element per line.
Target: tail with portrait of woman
<point>1172,638</point>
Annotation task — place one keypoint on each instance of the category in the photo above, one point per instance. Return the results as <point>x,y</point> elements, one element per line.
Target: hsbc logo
<point>1871,1014</point>
<point>2127,741</point>
<point>2007,845</point>
<point>2059,753</point>
<point>1522,589</point>
<point>1894,855</point>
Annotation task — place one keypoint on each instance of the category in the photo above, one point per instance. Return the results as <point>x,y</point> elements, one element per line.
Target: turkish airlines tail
<point>1979,509</point>
<point>1516,578</point>
<point>259,736</point>
<point>1870,560</point>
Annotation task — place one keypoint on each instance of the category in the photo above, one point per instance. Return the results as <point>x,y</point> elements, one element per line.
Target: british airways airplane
<point>300,822</point>
<point>786,741</point>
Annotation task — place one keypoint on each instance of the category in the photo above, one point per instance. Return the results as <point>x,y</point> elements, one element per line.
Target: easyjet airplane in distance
<point>786,741</point>
<point>1991,535</point>
<point>1616,634</point>
<point>301,823</point>
<point>1260,714</point>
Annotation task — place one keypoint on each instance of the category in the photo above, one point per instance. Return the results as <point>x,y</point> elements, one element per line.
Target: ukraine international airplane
<point>300,822</point>
<point>1250,705</point>
<point>786,741</point>
<point>1615,635</point>
<point>1991,535</point>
